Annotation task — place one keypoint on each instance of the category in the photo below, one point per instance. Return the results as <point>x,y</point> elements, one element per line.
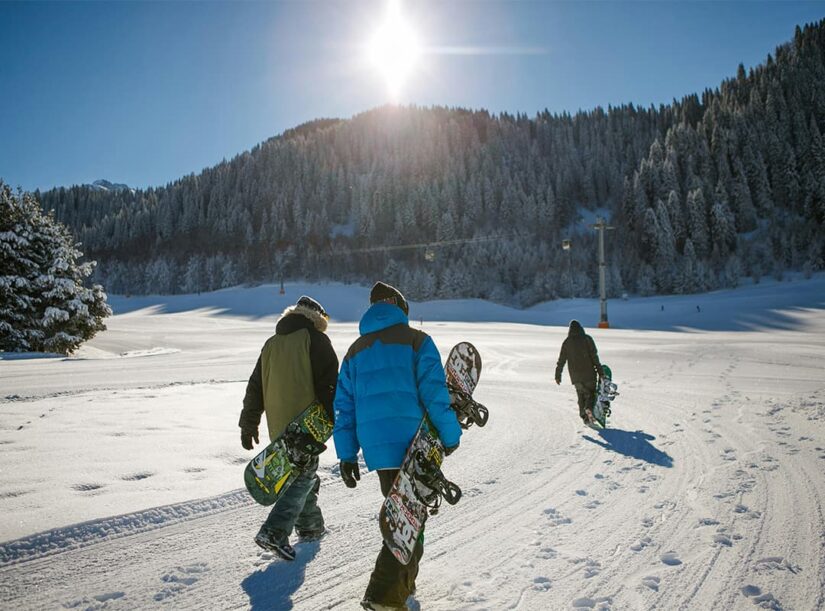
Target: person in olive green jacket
<point>297,365</point>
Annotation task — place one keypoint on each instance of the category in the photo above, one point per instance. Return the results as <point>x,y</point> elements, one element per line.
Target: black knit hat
<point>311,304</point>
<point>389,294</point>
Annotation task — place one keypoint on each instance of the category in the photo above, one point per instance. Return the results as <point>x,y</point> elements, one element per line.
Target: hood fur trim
<point>315,317</point>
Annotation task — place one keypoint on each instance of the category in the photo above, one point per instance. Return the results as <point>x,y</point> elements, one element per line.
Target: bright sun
<point>394,49</point>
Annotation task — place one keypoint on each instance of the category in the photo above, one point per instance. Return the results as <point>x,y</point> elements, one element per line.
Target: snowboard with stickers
<point>420,485</point>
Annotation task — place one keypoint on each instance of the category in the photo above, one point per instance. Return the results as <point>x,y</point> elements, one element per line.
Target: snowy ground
<point>121,468</point>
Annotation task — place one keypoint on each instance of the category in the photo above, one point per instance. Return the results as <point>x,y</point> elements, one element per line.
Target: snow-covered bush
<point>44,305</point>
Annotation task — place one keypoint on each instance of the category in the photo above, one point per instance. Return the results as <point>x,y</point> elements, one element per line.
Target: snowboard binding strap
<point>302,447</point>
<point>468,410</point>
<point>429,475</point>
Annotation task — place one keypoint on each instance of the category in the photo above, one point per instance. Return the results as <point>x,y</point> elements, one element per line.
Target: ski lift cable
<point>427,245</point>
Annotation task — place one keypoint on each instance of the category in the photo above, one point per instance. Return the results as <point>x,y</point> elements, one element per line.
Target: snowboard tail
<point>272,471</point>
<point>463,370</point>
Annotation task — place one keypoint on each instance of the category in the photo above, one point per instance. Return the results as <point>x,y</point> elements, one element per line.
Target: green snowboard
<point>270,473</point>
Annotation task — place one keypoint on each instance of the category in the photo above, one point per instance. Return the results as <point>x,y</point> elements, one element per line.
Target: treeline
<point>701,192</point>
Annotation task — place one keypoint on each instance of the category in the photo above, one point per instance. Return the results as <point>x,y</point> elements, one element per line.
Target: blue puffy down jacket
<point>389,377</point>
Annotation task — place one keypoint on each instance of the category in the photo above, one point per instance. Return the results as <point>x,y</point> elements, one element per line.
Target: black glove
<point>450,450</point>
<point>247,435</point>
<point>350,474</point>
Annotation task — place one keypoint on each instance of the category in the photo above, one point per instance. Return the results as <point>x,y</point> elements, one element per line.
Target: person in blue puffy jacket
<point>390,377</point>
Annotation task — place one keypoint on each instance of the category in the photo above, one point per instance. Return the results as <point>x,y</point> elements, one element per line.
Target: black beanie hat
<point>386,293</point>
<point>310,303</point>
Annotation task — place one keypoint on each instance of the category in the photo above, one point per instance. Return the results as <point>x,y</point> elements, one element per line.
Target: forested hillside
<point>712,187</point>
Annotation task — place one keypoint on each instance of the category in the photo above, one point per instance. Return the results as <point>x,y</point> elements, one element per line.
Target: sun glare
<point>394,50</point>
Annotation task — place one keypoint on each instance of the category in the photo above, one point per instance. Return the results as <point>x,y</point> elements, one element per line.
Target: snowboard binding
<point>468,411</point>
<point>430,484</point>
<point>301,447</point>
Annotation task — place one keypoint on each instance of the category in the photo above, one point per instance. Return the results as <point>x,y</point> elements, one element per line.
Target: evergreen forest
<point>451,202</point>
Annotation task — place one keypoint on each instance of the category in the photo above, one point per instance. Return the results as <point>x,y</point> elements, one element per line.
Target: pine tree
<point>44,305</point>
<point>722,224</point>
<point>699,230</point>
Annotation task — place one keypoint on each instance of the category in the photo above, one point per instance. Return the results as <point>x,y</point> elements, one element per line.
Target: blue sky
<point>145,92</point>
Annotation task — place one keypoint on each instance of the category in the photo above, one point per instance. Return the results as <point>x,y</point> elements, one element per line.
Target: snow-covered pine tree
<point>44,305</point>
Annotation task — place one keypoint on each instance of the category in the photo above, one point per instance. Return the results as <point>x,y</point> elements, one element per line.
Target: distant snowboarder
<point>297,365</point>
<point>391,376</point>
<point>584,367</point>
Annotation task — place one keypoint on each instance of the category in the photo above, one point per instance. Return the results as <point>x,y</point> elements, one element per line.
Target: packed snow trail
<point>706,492</point>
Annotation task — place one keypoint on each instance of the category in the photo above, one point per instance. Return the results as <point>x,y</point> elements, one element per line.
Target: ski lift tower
<point>601,226</point>
<point>568,245</point>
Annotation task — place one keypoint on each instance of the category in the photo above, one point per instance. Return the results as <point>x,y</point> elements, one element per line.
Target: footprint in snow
<point>541,584</point>
<point>641,544</point>
<point>642,489</point>
<point>95,603</point>
<point>592,568</point>
<point>707,522</point>
<point>776,563</point>
<point>647,522</point>
<point>652,582</point>
<point>602,604</point>
<point>547,553</point>
<point>556,519</point>
<point>136,477</point>
<point>581,492</point>
<point>592,504</point>
<point>743,509</point>
<point>180,578</point>
<point>722,539</point>
<point>763,601</point>
<point>90,488</point>
<point>670,559</point>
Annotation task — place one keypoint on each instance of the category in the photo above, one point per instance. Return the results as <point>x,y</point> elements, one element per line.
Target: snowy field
<point>121,467</point>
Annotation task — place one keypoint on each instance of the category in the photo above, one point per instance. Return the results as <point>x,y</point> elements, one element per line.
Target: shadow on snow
<point>635,444</point>
<point>272,588</point>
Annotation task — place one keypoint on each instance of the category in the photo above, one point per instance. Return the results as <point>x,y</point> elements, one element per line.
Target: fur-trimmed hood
<point>317,320</point>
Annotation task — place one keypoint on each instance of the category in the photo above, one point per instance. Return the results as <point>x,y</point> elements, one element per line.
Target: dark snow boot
<point>271,543</point>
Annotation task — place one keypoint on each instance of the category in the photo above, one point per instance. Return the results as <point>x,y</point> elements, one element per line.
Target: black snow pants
<point>392,582</point>
<point>586,393</point>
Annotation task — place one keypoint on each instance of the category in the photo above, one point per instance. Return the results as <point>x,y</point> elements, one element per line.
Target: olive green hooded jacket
<point>297,365</point>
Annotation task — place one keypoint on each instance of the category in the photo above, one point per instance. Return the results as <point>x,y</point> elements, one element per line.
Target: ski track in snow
<point>706,493</point>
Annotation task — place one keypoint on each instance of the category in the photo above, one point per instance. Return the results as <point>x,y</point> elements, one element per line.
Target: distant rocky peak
<point>105,185</point>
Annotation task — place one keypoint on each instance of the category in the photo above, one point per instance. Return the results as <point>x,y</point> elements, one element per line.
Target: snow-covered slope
<point>120,469</point>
